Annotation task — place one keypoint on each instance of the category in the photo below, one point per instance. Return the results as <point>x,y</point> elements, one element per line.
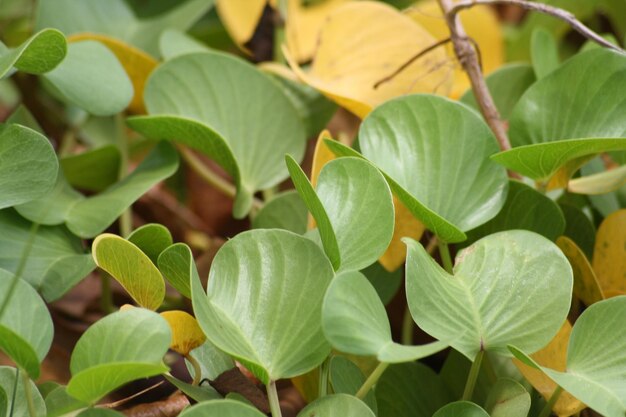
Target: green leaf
<point>511,287</point>
<point>20,406</point>
<point>119,348</point>
<point>386,283</point>
<point>79,16</point>
<point>26,328</point>
<point>195,392</point>
<point>508,398</point>
<point>4,403</point>
<point>264,302</point>
<point>191,100</point>
<point>455,371</point>
<point>579,228</point>
<point>352,303</point>
<point>410,390</point>
<point>427,131</point>
<point>506,85</point>
<point>596,363</point>
<point>93,170</point>
<point>545,53</point>
<point>91,216</point>
<point>358,205</point>
<point>346,378</point>
<point>526,209</point>
<point>213,362</point>
<point>173,43</point>
<point>337,405</point>
<point>132,268</point>
<point>91,78</point>
<point>222,408</point>
<point>41,53</point>
<point>59,403</point>
<point>57,260</point>
<point>461,409</point>
<point>152,239</point>
<point>99,412</point>
<point>24,151</point>
<point>22,116</point>
<point>178,267</point>
<point>285,211</point>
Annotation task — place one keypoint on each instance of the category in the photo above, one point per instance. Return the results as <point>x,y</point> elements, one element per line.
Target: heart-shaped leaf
<point>461,409</point>
<point>119,348</point>
<point>347,378</point>
<point>352,303</point>
<point>609,261</point>
<point>152,239</point>
<point>557,128</point>
<point>91,216</point>
<point>596,362</point>
<point>508,398</point>
<point>410,389</point>
<point>285,211</point>
<point>264,302</point>
<point>222,408</point>
<point>347,70</point>
<point>25,325</point>
<point>130,267</point>
<point>186,333</point>
<point>102,89</point>
<point>526,209</point>
<point>337,405</point>
<point>20,405</point>
<point>24,151</point>
<point>352,198</point>
<point>511,287</point>
<point>41,53</point>
<point>189,99</point>
<point>178,267</point>
<point>427,131</point>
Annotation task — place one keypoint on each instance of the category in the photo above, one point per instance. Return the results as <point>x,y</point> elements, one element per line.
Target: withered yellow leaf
<point>406,225</point>
<point>321,156</point>
<point>609,254</point>
<point>480,23</point>
<point>240,18</point>
<point>186,332</point>
<point>137,64</point>
<point>553,356</point>
<point>586,286</point>
<point>360,44</point>
<point>308,384</point>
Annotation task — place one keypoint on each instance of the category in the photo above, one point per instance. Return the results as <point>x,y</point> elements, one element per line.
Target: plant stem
<point>323,383</point>
<point>407,327</point>
<point>28,394</point>
<point>272,395</point>
<point>197,369</point>
<point>444,251</point>
<point>280,17</point>
<point>106,296</point>
<point>14,395</point>
<point>126,219</point>
<point>371,380</point>
<point>547,409</point>
<point>20,267</point>
<point>473,376</point>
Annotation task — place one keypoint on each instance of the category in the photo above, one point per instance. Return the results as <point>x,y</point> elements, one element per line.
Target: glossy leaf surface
<point>152,239</point>
<point>178,267</point>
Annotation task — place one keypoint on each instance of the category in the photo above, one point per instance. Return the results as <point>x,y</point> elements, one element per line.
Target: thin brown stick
<point>127,399</point>
<point>555,12</point>
<point>410,61</point>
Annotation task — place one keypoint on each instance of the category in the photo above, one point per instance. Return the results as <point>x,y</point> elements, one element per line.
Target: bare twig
<point>410,61</point>
<point>127,399</point>
<point>541,8</point>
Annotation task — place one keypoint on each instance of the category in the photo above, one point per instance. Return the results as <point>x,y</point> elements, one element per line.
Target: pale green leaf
<point>461,409</point>
<point>213,362</point>
<point>436,144</point>
<point>178,267</point>
<point>386,283</point>
<point>511,287</point>
<point>508,398</point>
<point>285,211</point>
<point>25,326</point>
<point>132,268</point>
<point>152,239</point>
<point>119,348</point>
<point>600,183</point>
<point>346,378</point>
<point>544,52</point>
<point>7,382</point>
<point>41,53</point>
<point>91,216</point>
<point>222,408</point>
<point>264,302</point>
<point>352,303</point>
<point>173,43</point>
<point>59,403</point>
<point>91,78</point>
<point>28,165</point>
<point>337,405</point>
<point>22,116</point>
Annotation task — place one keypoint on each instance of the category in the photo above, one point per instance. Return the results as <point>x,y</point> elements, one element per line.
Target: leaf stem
<point>407,327</point>
<point>126,219</point>
<point>106,296</point>
<point>197,369</point>
<point>371,380</point>
<point>272,395</point>
<point>323,382</point>
<point>14,395</point>
<point>473,376</point>
<point>444,251</point>
<point>28,394</point>
<point>547,409</point>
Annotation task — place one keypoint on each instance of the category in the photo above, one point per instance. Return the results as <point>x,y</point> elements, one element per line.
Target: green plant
<point>526,301</point>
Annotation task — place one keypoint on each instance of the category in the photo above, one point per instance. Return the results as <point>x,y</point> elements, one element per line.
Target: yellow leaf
<point>600,183</point>
<point>304,24</point>
<point>560,179</point>
<point>406,225</point>
<point>586,287</point>
<point>480,23</point>
<point>609,254</point>
<point>363,42</point>
<point>137,64</point>
<point>552,356</point>
<point>308,384</point>
<point>240,18</point>
<point>321,156</point>
<point>186,333</point>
